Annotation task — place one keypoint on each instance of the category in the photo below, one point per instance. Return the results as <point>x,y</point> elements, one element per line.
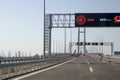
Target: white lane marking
<point>91,70</point>
<point>108,62</point>
<point>113,64</point>
<point>87,61</point>
<point>104,61</point>
<point>21,77</point>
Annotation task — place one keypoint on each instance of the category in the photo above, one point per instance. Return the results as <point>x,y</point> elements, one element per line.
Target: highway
<point>80,68</point>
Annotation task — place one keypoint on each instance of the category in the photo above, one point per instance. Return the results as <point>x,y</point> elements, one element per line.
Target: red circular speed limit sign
<point>81,20</point>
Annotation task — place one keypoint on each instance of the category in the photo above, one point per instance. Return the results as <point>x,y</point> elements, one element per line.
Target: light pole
<point>44,10</point>
<point>84,40</point>
<point>78,40</point>
<point>102,42</point>
<point>71,39</point>
<point>53,46</point>
<point>102,45</point>
<point>65,42</point>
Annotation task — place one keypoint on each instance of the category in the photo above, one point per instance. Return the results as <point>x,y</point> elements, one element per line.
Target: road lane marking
<point>104,61</point>
<point>108,62</point>
<point>91,69</point>
<point>21,77</point>
<point>87,61</point>
<point>113,64</point>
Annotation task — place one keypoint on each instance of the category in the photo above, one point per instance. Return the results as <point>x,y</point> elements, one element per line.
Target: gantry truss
<point>111,44</point>
<point>55,21</point>
<point>62,20</point>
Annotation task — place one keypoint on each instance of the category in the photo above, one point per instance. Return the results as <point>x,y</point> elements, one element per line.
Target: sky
<point>21,23</point>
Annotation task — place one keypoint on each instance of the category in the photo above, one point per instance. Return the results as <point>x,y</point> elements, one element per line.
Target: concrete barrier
<point>12,71</point>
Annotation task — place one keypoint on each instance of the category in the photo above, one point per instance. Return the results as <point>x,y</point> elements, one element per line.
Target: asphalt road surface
<point>81,68</point>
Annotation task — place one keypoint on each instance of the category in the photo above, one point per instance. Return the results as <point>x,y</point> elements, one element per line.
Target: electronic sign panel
<point>97,19</point>
<point>91,43</point>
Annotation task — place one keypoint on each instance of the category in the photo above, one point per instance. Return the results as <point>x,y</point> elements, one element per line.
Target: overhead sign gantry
<point>71,44</point>
<point>77,20</point>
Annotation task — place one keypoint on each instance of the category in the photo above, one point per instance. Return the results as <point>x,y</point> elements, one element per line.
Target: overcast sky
<point>21,23</point>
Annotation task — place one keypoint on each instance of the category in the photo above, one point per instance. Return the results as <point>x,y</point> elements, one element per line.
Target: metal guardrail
<point>5,60</point>
<point>14,69</point>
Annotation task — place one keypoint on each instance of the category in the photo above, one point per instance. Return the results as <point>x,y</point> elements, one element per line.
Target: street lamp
<point>44,11</point>
<point>65,42</point>
<point>102,42</point>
